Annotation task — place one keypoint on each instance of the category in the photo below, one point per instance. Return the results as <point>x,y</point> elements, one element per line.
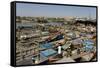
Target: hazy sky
<point>26,9</point>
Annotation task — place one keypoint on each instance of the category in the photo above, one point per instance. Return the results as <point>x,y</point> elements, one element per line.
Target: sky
<point>35,10</point>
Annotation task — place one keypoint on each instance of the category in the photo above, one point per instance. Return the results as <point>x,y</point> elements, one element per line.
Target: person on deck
<point>59,51</point>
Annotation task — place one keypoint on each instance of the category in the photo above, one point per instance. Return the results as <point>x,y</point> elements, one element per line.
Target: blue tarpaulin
<point>46,45</point>
<point>88,44</point>
<point>48,52</point>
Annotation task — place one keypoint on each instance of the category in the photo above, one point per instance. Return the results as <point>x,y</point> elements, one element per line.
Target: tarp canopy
<point>88,44</point>
<point>49,52</point>
<point>46,45</point>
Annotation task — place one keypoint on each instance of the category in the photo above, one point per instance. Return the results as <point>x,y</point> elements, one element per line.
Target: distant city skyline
<point>35,10</point>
